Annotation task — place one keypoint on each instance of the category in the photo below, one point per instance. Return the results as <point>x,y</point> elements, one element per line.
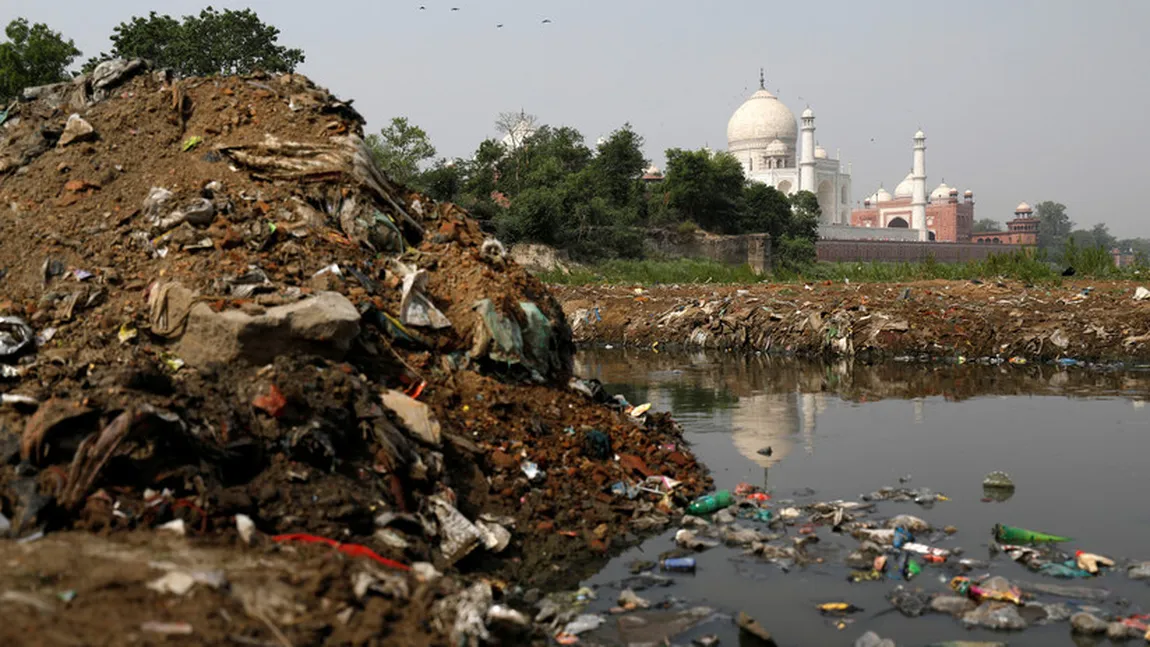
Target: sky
<point>1020,99</point>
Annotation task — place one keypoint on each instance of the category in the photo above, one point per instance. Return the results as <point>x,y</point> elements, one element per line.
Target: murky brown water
<point>1076,442</point>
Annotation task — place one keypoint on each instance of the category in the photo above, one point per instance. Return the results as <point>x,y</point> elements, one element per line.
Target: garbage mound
<point>220,319</point>
<point>964,321</point>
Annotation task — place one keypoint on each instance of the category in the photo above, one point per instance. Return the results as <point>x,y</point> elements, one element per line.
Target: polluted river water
<point>1074,441</point>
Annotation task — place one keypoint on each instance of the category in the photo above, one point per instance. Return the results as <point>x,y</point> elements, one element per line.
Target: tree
<point>33,55</point>
<point>766,210</point>
<point>399,149</point>
<point>987,224</point>
<point>1054,226</point>
<point>1102,236</point>
<point>618,165</point>
<point>706,188</point>
<point>214,42</point>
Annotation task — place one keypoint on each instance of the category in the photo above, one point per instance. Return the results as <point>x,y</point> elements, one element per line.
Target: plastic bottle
<point>678,564</point>
<point>711,503</point>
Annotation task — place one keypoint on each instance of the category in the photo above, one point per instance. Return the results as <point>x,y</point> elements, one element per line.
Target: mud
<point>153,258</point>
<point>1082,320</point>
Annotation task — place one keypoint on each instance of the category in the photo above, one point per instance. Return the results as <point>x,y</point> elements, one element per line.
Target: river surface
<point>1076,442</point>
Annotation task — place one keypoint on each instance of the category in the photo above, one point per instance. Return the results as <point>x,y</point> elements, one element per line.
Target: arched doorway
<point>930,235</point>
<point>826,195</point>
<point>898,223</point>
<point>784,187</point>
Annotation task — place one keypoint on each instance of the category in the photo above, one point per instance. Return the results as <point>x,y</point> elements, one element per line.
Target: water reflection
<point>776,402</point>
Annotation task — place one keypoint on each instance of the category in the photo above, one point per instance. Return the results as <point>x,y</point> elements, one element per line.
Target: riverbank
<point>1077,319</point>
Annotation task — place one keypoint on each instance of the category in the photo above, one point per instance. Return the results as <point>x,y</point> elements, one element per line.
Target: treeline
<point>1061,240</point>
<point>544,184</point>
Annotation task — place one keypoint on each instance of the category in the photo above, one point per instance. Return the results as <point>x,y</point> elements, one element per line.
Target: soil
<point>106,431</point>
<point>1077,319</point>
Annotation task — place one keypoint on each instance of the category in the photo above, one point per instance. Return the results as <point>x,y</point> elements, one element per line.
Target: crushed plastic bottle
<point>711,503</point>
<point>678,564</point>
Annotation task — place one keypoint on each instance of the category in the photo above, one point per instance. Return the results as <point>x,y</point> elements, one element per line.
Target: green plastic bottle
<point>711,503</point>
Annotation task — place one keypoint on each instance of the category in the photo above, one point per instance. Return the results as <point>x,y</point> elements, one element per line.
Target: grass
<point>1023,265</point>
<point>649,272</point>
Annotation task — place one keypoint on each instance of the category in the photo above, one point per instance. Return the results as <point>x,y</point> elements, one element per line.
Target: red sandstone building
<point>1023,230</point>
<point>947,219</point>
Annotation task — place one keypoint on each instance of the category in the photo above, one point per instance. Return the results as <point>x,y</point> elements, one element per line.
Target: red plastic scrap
<point>352,550</point>
<point>273,402</point>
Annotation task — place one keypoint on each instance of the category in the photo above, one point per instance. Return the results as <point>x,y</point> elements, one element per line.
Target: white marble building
<point>764,137</point>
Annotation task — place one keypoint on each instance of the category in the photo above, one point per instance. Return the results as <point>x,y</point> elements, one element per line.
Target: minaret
<point>807,160</point>
<point>918,199</point>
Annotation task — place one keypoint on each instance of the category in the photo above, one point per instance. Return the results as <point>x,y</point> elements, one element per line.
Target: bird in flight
<point>546,21</point>
<point>499,26</point>
<point>422,8</point>
<point>455,8</point>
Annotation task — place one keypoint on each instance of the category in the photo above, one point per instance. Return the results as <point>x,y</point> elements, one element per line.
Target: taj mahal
<point>763,137</point>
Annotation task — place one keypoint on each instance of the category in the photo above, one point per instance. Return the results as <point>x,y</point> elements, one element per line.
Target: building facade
<point>1022,230</point>
<point>764,136</point>
<point>947,218</point>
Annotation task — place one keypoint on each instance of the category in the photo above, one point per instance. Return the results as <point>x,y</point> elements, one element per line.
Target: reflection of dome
<point>940,193</point>
<point>776,148</point>
<point>759,120</point>
<point>1023,208</point>
<point>905,189</point>
<point>766,420</point>
<point>820,153</point>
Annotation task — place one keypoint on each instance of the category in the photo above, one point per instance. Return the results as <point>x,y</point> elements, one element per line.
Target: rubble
<point>958,321</point>
<point>213,320</point>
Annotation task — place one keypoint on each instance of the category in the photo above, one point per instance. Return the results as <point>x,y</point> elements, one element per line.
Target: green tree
<point>33,55</point>
<point>766,210</point>
<point>214,42</point>
<point>399,149</point>
<point>795,247</point>
<point>1102,236</point>
<point>1054,226</point>
<point>444,181</point>
<point>987,224</point>
<point>706,188</point>
<point>617,166</point>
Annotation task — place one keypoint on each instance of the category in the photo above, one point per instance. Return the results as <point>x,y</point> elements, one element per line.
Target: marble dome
<point>905,189</point>
<point>760,120</point>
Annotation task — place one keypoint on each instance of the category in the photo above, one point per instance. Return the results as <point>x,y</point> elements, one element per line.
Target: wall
<point>839,251</point>
<point>753,249</point>
<point>845,232</point>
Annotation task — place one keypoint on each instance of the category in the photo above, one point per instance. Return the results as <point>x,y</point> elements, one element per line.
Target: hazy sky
<point>1020,99</point>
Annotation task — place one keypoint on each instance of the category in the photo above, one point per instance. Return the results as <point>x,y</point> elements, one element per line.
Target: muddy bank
<point>219,319</point>
<point>1084,320</point>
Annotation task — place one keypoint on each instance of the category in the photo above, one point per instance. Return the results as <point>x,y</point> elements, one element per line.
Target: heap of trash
<point>221,321</point>
<point>990,322</point>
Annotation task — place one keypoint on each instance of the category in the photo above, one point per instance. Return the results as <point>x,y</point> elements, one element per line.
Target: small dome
<point>653,170</point>
<point>1023,208</point>
<point>776,148</point>
<point>882,195</point>
<point>954,191</point>
<point>942,192</point>
<point>905,189</point>
<point>808,113</point>
<point>968,193</point>
<point>820,153</point>
<point>920,135</point>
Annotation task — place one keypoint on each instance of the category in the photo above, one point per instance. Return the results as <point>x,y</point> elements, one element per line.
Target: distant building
<point>1123,258</point>
<point>947,219</point>
<point>652,174</point>
<point>763,136</point>
<point>1023,230</point>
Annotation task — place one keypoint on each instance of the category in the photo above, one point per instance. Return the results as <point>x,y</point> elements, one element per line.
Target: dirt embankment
<point>1083,320</point>
<point>219,318</point>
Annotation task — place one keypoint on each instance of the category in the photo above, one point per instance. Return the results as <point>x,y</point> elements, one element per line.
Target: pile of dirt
<point>993,322</point>
<point>214,308</point>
